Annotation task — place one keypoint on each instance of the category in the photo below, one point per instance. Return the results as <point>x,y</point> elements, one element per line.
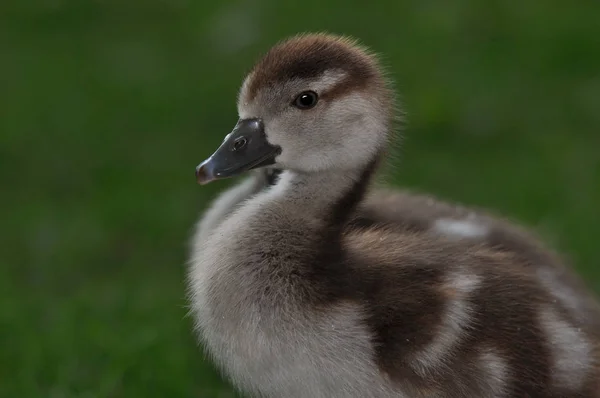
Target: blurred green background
<point>106,107</point>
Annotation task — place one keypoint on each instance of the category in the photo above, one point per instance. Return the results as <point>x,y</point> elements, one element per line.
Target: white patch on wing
<point>459,228</point>
<point>495,370</point>
<point>454,325</point>
<point>570,349</point>
<point>561,291</point>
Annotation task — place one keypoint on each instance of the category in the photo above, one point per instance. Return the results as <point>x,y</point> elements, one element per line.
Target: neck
<point>288,237</point>
<point>330,196</point>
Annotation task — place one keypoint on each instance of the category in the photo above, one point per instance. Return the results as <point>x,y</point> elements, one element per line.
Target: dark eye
<point>306,100</point>
<point>239,143</point>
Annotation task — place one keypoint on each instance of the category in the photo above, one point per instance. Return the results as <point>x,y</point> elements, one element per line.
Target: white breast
<point>264,340</point>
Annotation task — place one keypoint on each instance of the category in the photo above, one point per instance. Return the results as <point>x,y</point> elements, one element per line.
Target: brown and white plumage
<point>297,296</point>
<point>408,211</point>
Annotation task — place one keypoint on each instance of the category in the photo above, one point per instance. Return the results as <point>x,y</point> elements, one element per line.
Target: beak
<point>245,148</point>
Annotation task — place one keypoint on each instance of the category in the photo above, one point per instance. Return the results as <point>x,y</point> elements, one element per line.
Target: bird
<point>296,293</point>
<point>410,211</point>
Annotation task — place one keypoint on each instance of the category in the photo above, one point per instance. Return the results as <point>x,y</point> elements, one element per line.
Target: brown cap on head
<point>310,55</point>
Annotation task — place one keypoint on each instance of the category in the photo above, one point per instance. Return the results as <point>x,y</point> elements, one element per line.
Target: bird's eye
<point>306,100</point>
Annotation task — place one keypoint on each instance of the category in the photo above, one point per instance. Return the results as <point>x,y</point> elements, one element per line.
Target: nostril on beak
<point>239,144</point>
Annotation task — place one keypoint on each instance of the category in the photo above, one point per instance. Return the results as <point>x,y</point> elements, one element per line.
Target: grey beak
<point>245,148</point>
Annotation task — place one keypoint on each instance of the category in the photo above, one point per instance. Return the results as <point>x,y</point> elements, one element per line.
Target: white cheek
<point>345,135</point>
<point>358,129</point>
<point>363,138</point>
<point>297,146</point>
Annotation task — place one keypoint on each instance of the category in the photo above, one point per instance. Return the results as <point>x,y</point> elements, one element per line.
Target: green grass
<point>105,109</point>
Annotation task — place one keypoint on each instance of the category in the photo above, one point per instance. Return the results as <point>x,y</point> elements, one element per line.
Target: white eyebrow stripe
<point>571,350</point>
<point>322,83</point>
<point>328,80</point>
